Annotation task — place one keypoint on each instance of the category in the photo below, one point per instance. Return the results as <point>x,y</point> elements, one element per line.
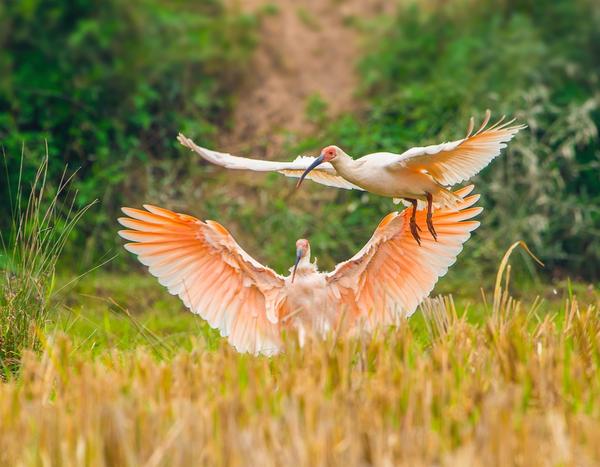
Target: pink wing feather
<point>386,280</point>
<point>202,264</point>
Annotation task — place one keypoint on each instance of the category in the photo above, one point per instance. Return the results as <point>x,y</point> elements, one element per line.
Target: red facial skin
<point>328,153</point>
<point>301,250</point>
<point>302,243</point>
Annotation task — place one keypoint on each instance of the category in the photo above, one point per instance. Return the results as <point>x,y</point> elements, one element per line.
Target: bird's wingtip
<point>185,141</point>
<point>464,191</point>
<point>126,210</point>
<point>477,210</point>
<point>150,207</point>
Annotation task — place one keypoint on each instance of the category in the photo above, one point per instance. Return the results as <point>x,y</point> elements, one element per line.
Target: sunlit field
<point>495,382</point>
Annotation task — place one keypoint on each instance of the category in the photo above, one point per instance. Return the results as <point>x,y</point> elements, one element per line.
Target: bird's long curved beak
<point>317,161</point>
<point>299,254</point>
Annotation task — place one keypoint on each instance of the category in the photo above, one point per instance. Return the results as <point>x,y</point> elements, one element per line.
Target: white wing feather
<point>324,174</point>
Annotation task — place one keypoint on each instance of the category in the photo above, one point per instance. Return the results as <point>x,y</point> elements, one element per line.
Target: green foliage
<point>109,84</point>
<point>104,311</point>
<point>128,311</point>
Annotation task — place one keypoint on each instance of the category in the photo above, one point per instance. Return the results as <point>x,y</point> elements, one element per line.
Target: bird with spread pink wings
<point>251,304</point>
<point>420,176</point>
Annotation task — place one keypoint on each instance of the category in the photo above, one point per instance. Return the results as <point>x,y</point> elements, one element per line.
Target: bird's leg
<point>414,228</point>
<point>429,222</point>
<point>414,202</point>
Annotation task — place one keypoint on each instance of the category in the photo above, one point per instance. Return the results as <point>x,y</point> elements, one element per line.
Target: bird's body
<point>419,176</point>
<point>252,304</point>
<point>377,174</point>
<point>307,300</point>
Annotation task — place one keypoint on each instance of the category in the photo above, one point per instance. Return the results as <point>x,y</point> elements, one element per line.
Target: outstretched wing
<point>324,174</point>
<point>456,161</point>
<point>202,264</point>
<point>392,274</point>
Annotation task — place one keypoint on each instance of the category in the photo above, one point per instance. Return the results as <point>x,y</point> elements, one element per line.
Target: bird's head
<point>328,154</point>
<point>302,254</point>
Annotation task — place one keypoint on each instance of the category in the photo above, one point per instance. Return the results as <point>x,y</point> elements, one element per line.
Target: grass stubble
<point>519,387</point>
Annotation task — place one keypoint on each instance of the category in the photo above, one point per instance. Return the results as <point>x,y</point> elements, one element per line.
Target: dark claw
<point>431,229</point>
<point>429,221</point>
<point>414,230</point>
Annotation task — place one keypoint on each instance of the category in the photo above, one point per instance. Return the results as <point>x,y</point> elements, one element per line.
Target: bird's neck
<point>305,266</point>
<point>344,165</point>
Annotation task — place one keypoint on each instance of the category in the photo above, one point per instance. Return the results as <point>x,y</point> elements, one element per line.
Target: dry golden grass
<point>517,389</point>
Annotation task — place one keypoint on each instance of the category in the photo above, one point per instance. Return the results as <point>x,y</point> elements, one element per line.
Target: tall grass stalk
<point>43,216</point>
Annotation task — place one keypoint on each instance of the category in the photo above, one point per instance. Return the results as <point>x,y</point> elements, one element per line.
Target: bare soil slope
<point>306,48</point>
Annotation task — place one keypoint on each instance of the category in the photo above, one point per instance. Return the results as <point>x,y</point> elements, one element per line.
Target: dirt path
<point>306,48</point>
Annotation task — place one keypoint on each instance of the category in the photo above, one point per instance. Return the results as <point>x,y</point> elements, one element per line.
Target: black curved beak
<point>299,254</point>
<point>317,161</point>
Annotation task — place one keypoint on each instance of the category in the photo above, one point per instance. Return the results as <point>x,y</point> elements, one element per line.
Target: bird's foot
<point>431,229</point>
<point>430,216</point>
<point>414,230</point>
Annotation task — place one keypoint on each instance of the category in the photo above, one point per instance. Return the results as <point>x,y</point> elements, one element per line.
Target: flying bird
<point>251,304</point>
<point>419,177</point>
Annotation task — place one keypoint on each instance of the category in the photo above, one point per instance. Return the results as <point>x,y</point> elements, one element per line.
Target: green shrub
<point>121,78</point>
<point>109,83</point>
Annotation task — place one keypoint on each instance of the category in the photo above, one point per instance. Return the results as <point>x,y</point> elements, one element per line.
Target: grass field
<point>128,377</point>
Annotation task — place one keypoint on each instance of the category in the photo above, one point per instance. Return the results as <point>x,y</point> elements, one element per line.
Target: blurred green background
<point>107,85</point>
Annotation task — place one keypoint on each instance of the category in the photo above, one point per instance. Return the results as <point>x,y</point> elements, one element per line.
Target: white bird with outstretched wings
<point>251,305</point>
<point>419,177</point>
